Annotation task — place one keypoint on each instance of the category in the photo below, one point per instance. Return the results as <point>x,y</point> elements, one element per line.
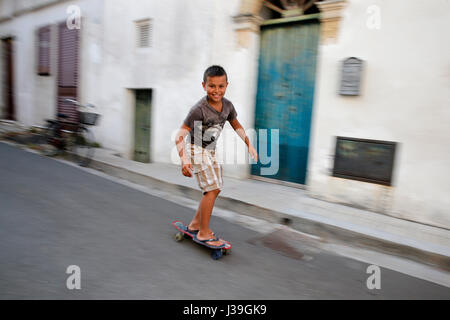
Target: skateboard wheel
<point>178,236</point>
<point>217,254</point>
<point>226,252</point>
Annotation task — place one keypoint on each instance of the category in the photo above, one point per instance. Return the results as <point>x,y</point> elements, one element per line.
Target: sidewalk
<point>273,202</point>
<point>7,126</point>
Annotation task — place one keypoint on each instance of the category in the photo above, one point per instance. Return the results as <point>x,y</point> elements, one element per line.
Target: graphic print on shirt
<point>212,133</point>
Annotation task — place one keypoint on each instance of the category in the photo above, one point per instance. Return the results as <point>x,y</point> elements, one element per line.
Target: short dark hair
<point>214,71</point>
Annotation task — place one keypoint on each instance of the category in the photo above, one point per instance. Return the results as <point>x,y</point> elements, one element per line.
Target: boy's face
<point>215,87</point>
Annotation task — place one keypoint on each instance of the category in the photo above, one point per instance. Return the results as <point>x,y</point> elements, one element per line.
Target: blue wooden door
<point>286,78</point>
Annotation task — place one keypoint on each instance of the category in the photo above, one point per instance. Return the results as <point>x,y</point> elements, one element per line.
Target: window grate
<point>144,31</point>
<point>43,51</point>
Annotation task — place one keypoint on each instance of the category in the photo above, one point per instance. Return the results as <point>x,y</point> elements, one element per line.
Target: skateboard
<point>183,233</point>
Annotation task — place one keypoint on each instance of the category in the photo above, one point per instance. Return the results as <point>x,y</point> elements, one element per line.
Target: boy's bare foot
<point>214,242</point>
<point>193,228</point>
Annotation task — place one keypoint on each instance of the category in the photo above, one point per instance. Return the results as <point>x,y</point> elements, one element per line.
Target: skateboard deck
<point>183,233</point>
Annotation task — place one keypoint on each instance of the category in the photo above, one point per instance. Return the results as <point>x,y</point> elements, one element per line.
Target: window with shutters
<point>144,33</point>
<point>68,77</point>
<point>43,41</point>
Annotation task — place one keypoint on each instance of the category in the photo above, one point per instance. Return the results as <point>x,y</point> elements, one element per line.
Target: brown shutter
<point>68,70</point>
<point>8,78</point>
<point>44,50</point>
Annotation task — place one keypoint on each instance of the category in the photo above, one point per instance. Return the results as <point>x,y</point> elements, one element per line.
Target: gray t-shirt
<point>206,123</point>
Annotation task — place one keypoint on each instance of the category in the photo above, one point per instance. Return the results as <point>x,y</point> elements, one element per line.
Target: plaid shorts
<point>206,168</point>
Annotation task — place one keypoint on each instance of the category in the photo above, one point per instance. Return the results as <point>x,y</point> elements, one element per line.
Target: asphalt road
<point>53,215</point>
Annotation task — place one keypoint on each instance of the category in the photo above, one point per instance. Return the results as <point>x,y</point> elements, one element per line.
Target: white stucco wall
<point>23,48</point>
<point>405,97</point>
<point>187,37</point>
<point>35,96</point>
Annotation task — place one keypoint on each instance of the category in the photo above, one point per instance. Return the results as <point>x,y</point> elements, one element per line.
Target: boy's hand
<point>186,169</point>
<point>253,153</point>
<point>186,166</point>
<point>241,133</point>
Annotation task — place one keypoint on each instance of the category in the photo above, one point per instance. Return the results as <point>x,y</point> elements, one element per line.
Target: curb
<point>328,232</point>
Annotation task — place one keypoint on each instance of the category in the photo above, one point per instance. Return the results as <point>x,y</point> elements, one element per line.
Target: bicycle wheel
<point>49,145</point>
<point>82,150</point>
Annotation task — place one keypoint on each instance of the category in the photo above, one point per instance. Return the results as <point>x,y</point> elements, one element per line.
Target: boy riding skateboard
<point>204,123</point>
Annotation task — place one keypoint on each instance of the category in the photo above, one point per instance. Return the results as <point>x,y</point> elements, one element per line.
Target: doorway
<point>9,112</point>
<point>142,128</point>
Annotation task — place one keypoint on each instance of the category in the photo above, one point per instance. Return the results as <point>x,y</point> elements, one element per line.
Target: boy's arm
<point>186,166</point>
<point>241,133</point>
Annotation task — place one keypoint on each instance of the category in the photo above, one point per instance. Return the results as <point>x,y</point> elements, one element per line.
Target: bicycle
<point>78,142</point>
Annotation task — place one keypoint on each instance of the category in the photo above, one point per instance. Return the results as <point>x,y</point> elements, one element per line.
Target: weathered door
<point>142,125</point>
<point>8,89</point>
<point>284,101</point>
<point>68,71</point>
